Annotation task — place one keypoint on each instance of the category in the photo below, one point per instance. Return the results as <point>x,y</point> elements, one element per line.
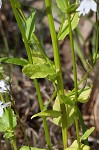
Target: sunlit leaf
<point>67,100</point>
<point>4,122</point>
<point>72,8</point>
<point>62,5</point>
<point>74,146</point>
<point>83,95</point>
<point>64,31</point>
<point>30,25</point>
<point>34,71</point>
<point>48,113</point>
<point>70,114</point>
<point>87,133</point>
<point>16,61</point>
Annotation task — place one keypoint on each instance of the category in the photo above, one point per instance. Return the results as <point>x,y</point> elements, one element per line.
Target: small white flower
<point>3,86</point>
<point>0,3</point>
<point>3,105</point>
<point>86,6</point>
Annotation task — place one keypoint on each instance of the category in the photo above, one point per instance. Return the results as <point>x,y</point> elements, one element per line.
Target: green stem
<point>97,38</point>
<point>14,144</point>
<point>75,75</point>
<point>13,2</point>
<point>38,44</point>
<point>58,69</point>
<point>75,79</point>
<point>44,119</point>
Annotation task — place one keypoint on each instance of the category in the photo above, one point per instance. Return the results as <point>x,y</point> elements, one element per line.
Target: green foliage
<point>83,95</point>
<point>71,9</point>
<point>62,5</point>
<point>16,61</point>
<point>32,148</point>
<point>64,30</point>
<point>87,133</point>
<point>41,67</point>
<point>70,114</point>
<point>48,113</point>
<point>67,100</point>
<point>74,146</point>
<point>34,71</point>
<point>30,25</point>
<point>5,125</point>
<point>1,72</point>
<point>38,57</point>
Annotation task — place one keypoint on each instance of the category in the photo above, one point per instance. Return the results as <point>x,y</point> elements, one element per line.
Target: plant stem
<point>97,38</point>
<point>75,75</point>
<point>75,79</point>
<point>13,2</point>
<point>58,69</point>
<point>44,119</point>
<point>14,144</point>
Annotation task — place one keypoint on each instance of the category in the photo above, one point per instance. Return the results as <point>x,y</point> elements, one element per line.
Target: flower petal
<point>93,6</point>
<point>1,112</point>
<point>6,104</point>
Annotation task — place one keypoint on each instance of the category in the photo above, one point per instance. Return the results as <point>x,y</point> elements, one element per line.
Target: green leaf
<point>34,71</point>
<point>4,122</point>
<point>87,133</point>
<point>38,57</point>
<point>9,134</point>
<point>32,148</point>
<point>30,25</point>
<point>64,30</point>
<point>70,114</point>
<point>74,146</point>
<point>83,95</point>
<point>72,8</point>
<point>16,61</point>
<point>48,113</point>
<point>62,5</point>
<point>67,100</point>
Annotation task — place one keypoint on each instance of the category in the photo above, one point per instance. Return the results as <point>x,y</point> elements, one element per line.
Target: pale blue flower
<point>86,6</point>
<point>3,86</point>
<point>3,105</point>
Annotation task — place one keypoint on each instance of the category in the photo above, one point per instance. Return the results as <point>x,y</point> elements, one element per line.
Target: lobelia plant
<point>65,109</point>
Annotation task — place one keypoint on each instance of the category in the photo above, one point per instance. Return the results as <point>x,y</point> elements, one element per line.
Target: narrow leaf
<point>64,31</point>
<point>67,100</point>
<point>48,113</point>
<point>30,25</point>
<point>16,61</point>
<point>87,133</point>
